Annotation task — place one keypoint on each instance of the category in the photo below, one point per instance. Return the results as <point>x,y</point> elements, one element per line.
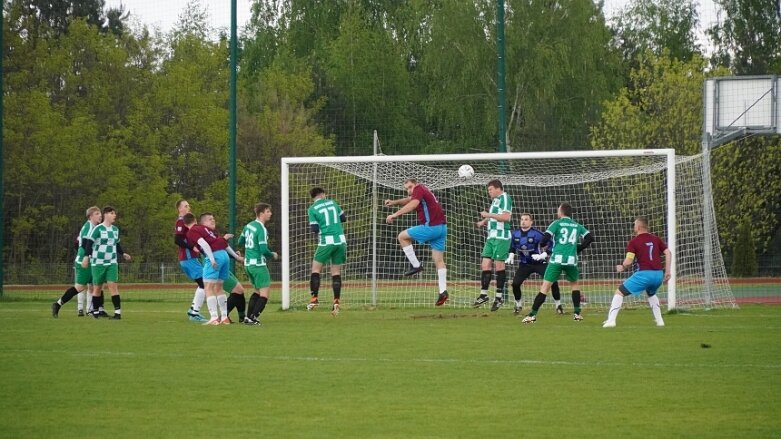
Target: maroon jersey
<point>429,210</point>
<point>181,230</point>
<point>210,236</point>
<point>648,249</point>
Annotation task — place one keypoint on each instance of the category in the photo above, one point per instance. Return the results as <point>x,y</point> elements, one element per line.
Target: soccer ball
<point>466,171</point>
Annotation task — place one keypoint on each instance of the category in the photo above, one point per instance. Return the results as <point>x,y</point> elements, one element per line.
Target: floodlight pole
<point>500,82</point>
<point>232,126</point>
<point>2,163</point>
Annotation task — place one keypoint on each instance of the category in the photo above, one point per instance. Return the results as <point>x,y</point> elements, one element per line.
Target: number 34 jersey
<point>566,233</point>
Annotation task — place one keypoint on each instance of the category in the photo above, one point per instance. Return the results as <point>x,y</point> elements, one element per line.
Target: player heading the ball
<point>497,244</point>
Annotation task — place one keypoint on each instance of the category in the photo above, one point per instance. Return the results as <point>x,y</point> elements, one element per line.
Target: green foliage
<point>744,255</point>
<point>748,39</point>
<point>658,26</point>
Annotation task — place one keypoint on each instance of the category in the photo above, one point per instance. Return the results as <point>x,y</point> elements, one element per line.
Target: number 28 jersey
<point>566,234</point>
<point>327,215</point>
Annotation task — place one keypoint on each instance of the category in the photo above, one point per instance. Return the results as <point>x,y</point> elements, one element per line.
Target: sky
<point>164,13</point>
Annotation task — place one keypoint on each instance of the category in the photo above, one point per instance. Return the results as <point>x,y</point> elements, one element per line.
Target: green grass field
<point>388,373</point>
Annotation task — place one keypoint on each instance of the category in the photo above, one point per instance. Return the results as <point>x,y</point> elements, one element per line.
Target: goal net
<point>607,190</point>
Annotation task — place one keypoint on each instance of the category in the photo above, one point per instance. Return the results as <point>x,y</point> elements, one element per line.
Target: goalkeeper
<point>532,258</point>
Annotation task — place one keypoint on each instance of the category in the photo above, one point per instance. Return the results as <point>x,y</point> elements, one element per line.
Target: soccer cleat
<point>214,321</point>
<point>577,317</point>
<point>197,317</point>
<point>94,315</point>
<point>560,310</point>
<point>251,322</point>
<point>56,309</point>
<point>81,313</point>
<point>517,310</point>
<point>607,324</point>
<point>225,321</point>
<point>313,303</point>
<point>414,270</point>
<point>529,319</point>
<point>335,308</point>
<point>443,296</point>
<point>498,302</point>
<point>481,299</point>
<point>102,313</point>
<point>116,317</point>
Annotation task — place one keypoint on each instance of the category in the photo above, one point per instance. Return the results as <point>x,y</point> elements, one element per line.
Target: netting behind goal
<point>606,194</point>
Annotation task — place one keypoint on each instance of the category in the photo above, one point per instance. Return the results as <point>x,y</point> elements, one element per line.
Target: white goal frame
<point>471,158</point>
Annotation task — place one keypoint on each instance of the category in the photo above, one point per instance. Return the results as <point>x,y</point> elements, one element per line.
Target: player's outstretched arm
<point>398,202</point>
<point>409,207</point>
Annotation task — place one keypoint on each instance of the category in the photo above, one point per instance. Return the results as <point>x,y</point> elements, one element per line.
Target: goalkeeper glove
<point>510,259</point>
<point>540,257</point>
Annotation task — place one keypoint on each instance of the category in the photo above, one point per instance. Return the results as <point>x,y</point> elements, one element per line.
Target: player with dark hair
<point>646,250</point>
<point>325,220</point>
<point>497,244</point>
<point>532,258</point>
<point>566,233</point>
<point>103,252</point>
<point>254,238</point>
<point>189,261</point>
<point>431,229</point>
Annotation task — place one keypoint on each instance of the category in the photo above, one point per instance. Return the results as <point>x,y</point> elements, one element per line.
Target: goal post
<point>607,189</point>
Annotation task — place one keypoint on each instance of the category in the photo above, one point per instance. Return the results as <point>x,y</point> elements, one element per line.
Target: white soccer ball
<point>466,171</point>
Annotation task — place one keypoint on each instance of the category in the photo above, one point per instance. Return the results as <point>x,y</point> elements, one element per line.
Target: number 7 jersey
<point>566,234</point>
<point>327,215</point>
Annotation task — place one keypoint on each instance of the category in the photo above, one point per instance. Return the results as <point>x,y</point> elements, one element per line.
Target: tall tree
<point>657,25</point>
<point>748,36</point>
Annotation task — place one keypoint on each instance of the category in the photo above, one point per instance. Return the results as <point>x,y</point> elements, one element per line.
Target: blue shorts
<point>646,280</point>
<point>192,267</point>
<point>434,235</point>
<point>223,267</point>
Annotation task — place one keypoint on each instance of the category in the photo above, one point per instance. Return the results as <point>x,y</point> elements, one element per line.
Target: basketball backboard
<point>746,104</point>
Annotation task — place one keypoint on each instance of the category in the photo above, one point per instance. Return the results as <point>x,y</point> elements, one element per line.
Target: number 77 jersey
<point>566,234</point>
<point>327,215</point>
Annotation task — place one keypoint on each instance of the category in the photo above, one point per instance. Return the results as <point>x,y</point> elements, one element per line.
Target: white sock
<point>198,299</point>
<point>615,307</point>
<point>80,300</point>
<point>558,302</point>
<point>518,303</point>
<point>410,252</point>
<point>655,308</point>
<point>222,300</point>
<point>211,303</point>
<point>483,292</point>
<point>442,278</point>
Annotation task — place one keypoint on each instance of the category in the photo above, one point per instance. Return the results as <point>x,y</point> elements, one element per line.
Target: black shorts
<point>525,270</point>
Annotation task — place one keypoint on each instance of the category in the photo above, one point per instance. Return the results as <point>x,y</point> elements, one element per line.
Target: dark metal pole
<point>500,86</point>
<point>232,123</point>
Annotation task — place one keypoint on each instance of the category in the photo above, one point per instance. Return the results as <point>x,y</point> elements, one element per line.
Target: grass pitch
<point>388,373</point>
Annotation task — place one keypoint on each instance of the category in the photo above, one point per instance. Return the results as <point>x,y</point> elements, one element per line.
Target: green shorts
<point>258,276</point>
<point>496,249</point>
<point>335,254</point>
<point>83,276</point>
<point>230,283</point>
<point>105,273</point>
<point>553,272</point>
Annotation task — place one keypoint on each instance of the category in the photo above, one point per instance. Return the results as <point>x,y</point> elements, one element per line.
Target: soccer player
<point>646,249</point>
<point>83,276</point>
<point>497,244</point>
<point>102,252</point>
<point>254,238</point>
<point>217,269</point>
<point>432,229</point>
<point>565,233</point>
<point>189,261</point>
<point>325,221</point>
<point>531,259</point>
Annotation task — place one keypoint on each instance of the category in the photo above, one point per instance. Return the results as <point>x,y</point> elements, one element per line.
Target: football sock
<point>576,301</point>
<point>655,308</point>
<point>485,281</point>
<point>518,303</point>
<point>336,283</point>
<point>198,298</point>
<point>117,304</point>
<point>231,301</point>
<point>211,303</point>
<point>501,280</point>
<point>241,305</point>
<point>222,302</point>
<point>314,284</point>
<point>80,300</point>
<point>615,307</point>
<point>68,295</point>
<point>410,252</point>
<point>253,299</point>
<point>556,293</point>
<point>442,279</point>
<point>517,292</point>
<point>538,301</point>
<point>260,305</point>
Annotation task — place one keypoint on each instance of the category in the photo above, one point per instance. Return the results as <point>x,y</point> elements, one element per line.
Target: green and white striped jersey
<point>86,232</point>
<point>327,215</point>
<point>254,238</point>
